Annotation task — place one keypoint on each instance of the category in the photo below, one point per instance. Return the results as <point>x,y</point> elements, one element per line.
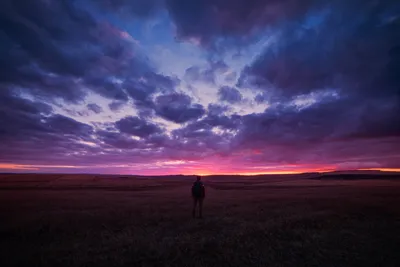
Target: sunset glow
<point>185,171</point>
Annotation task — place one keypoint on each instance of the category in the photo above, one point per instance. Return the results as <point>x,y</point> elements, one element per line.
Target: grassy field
<point>87,220</point>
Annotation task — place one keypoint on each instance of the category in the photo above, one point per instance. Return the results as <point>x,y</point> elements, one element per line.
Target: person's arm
<point>192,190</point>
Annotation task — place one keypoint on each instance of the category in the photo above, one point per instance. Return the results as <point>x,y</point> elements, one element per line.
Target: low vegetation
<point>107,221</point>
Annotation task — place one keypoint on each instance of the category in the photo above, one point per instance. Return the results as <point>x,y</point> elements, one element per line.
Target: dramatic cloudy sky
<point>199,86</point>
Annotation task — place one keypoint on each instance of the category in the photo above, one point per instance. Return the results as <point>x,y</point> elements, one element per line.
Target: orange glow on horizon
<point>11,166</point>
<point>278,170</point>
<point>249,173</point>
<point>8,166</point>
<point>382,169</point>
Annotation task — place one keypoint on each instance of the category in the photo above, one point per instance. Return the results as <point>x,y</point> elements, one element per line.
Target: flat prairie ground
<point>88,220</point>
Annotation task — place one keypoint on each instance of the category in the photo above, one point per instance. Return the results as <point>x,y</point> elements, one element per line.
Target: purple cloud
<point>327,70</point>
<point>57,54</point>
<point>95,108</point>
<point>117,140</point>
<point>178,108</point>
<point>229,94</point>
<point>216,109</point>
<point>219,23</point>
<point>116,105</point>
<point>137,8</point>
<point>137,127</point>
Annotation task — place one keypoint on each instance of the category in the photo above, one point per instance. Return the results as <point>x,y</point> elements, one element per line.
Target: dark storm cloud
<point>60,124</point>
<point>324,122</point>
<point>236,21</point>
<point>216,22</point>
<point>20,117</point>
<point>229,94</point>
<point>285,127</point>
<point>328,50</point>
<point>34,42</point>
<point>30,131</point>
<point>137,127</point>
<point>355,58</point>
<point>178,108</point>
<point>55,49</point>
<point>11,102</point>
<point>60,49</point>
<point>365,153</point>
<point>378,119</point>
<point>128,8</point>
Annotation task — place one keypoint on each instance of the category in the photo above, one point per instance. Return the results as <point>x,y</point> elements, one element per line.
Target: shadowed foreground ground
<point>56,220</point>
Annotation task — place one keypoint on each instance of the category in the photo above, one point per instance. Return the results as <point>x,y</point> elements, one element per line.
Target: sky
<point>199,87</point>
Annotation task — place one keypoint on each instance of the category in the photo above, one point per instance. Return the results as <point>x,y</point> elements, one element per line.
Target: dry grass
<point>60,220</point>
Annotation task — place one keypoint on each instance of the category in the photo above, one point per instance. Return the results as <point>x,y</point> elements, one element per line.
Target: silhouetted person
<point>198,194</point>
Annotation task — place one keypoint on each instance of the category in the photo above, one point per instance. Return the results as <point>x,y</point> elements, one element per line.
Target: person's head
<point>198,178</point>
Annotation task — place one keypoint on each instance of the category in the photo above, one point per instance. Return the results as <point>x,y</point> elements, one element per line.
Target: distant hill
<point>341,175</point>
<point>357,175</point>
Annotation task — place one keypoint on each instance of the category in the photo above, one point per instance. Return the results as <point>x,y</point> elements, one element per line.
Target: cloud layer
<point>199,86</point>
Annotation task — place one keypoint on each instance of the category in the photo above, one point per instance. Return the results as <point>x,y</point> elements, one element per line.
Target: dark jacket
<point>198,190</point>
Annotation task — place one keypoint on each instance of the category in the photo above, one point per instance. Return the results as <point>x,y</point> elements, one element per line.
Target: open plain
<point>281,220</point>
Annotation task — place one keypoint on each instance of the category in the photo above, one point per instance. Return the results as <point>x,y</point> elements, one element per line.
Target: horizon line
<point>382,170</point>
